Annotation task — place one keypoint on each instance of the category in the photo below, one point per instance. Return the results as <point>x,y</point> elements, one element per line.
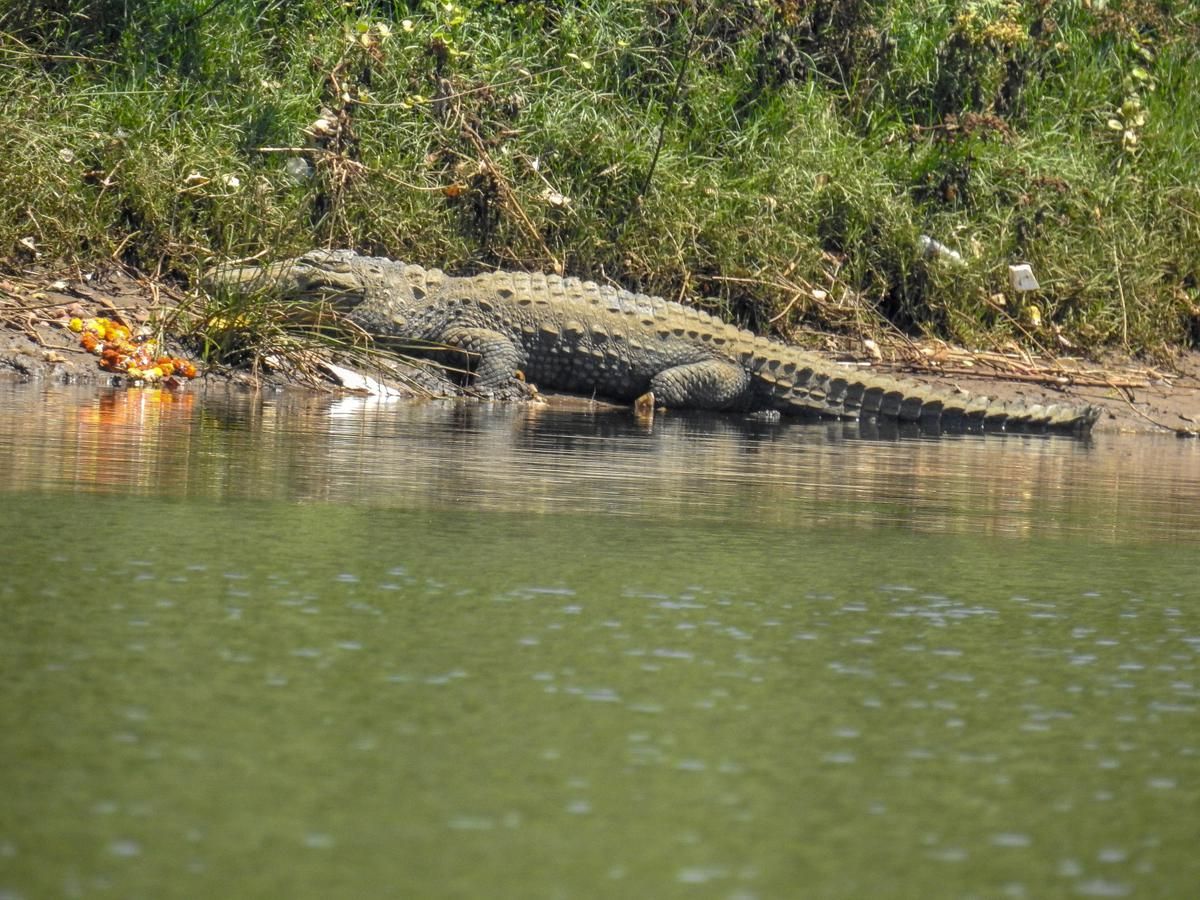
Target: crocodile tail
<point>808,385</point>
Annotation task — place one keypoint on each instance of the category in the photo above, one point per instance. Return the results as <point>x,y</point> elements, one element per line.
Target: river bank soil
<point>37,343</point>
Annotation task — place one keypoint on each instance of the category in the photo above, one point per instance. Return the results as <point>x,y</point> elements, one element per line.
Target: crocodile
<point>581,337</point>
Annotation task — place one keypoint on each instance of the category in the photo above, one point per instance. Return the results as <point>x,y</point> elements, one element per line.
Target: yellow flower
<point>76,325</point>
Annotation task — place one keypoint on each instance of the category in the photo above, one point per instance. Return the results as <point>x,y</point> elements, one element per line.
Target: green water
<point>279,648</point>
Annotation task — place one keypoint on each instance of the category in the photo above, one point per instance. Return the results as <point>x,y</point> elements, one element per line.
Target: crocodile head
<point>371,292</point>
<point>330,276</point>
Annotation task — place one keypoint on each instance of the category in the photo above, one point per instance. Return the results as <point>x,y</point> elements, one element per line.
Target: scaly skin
<point>577,336</point>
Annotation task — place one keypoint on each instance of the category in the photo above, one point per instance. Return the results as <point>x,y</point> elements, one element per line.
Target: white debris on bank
<point>356,381</point>
<point>937,250</point>
<point>1021,278</point>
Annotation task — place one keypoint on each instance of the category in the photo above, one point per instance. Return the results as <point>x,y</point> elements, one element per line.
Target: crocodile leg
<point>492,357</point>
<point>710,384</point>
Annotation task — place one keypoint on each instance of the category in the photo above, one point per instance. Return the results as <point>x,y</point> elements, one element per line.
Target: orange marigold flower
<point>89,342</point>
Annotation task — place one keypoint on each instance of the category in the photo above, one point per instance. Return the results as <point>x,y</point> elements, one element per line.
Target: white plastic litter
<point>932,249</point>
<point>1021,278</point>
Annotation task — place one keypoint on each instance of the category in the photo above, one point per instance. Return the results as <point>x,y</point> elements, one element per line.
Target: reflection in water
<point>540,460</point>
<point>318,648</point>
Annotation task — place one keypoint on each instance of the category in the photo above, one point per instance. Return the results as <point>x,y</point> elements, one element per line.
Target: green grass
<point>777,158</point>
